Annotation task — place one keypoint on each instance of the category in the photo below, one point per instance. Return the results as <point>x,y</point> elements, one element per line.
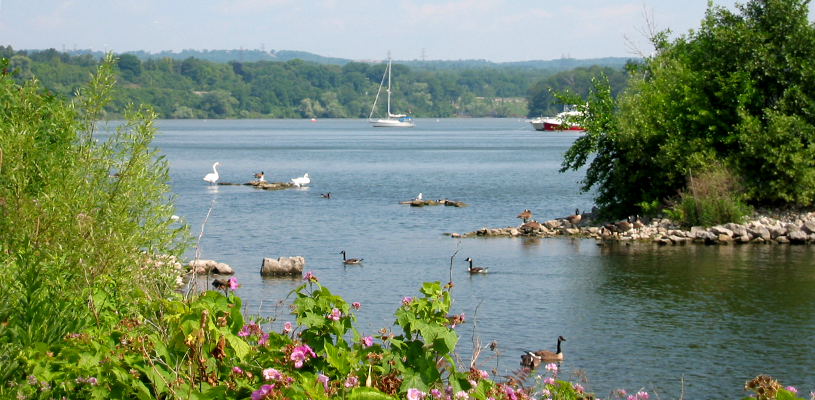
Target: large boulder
<point>282,266</point>
<point>202,267</point>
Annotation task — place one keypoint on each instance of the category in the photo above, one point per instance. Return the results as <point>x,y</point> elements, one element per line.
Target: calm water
<point>634,316</point>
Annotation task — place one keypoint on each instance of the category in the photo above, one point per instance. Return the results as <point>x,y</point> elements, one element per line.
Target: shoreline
<point>779,226</point>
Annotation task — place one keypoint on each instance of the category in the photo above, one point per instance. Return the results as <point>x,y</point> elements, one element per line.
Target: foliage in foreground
<point>736,92</point>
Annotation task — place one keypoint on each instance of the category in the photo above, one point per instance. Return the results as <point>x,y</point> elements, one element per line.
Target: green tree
<point>736,92</point>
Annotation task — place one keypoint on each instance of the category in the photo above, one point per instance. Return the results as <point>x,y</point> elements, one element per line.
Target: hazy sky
<point>495,30</point>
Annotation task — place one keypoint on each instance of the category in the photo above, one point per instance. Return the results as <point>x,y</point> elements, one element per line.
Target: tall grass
<point>712,197</point>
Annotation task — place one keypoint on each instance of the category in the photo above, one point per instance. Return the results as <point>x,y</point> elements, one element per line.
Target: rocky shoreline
<point>791,226</point>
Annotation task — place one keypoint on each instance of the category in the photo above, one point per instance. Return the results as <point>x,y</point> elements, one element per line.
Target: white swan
<point>304,180</point>
<point>213,176</point>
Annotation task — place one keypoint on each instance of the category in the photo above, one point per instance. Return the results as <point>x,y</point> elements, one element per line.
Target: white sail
<point>392,120</point>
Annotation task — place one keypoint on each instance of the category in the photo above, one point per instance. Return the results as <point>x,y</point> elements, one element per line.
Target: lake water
<point>698,320</point>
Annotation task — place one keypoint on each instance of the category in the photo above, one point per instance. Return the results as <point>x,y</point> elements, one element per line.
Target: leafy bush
<point>712,198</point>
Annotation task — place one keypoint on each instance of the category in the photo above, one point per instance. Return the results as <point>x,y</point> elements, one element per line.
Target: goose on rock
<point>212,177</point>
<point>525,215</point>
<point>574,218</point>
<point>260,176</point>
<point>476,270</point>
<point>350,260</point>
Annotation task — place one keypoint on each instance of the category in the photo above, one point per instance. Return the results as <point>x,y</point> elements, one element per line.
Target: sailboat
<point>392,120</point>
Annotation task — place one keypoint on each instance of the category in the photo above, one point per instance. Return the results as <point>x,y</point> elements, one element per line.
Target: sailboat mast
<point>389,87</point>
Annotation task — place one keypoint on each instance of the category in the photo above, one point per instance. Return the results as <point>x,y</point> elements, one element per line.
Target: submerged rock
<point>282,266</point>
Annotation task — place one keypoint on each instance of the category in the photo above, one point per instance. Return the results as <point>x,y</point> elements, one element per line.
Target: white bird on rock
<point>212,177</point>
<point>301,181</point>
<point>419,197</point>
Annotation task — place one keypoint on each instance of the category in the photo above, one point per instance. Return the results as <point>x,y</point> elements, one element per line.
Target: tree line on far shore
<point>195,88</point>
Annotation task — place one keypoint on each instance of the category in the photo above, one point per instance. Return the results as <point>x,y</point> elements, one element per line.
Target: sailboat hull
<point>391,123</point>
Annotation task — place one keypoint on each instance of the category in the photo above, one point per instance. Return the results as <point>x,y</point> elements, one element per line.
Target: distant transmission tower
<point>423,56</point>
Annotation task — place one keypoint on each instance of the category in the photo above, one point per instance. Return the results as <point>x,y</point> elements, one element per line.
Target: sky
<point>493,30</point>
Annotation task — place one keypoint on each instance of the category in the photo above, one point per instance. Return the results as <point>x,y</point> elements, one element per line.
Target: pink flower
<point>577,388</point>
<point>244,331</point>
<point>642,395</point>
<point>551,367</point>
<point>271,374</point>
<point>509,392</point>
<point>620,392</point>
<point>352,381</point>
<point>356,305</point>
<point>407,300</point>
<point>546,393</point>
<point>549,381</point>
<point>462,395</point>
<point>335,314</point>
<point>484,374</point>
<point>309,276</point>
<point>287,327</point>
<point>237,370</point>
<point>263,339</point>
<point>414,394</point>
<point>791,389</point>
<point>367,341</point>
<point>300,354</point>
<point>324,379</point>
<point>436,393</point>
<point>631,397</point>
<point>233,283</point>
<point>262,392</point>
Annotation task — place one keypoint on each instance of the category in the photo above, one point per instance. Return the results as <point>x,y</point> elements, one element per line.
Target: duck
<point>326,196</point>
<point>575,218</point>
<point>476,270</point>
<point>212,177</point>
<point>260,176</point>
<point>525,215</point>
<point>532,359</point>
<point>350,260</point>
<point>301,181</point>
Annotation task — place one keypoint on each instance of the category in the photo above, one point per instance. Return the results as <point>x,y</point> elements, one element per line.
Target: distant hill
<point>247,55</point>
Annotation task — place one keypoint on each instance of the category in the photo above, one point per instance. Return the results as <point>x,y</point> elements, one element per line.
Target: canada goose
<point>326,196</point>
<point>260,176</point>
<point>350,260</point>
<point>532,359</point>
<point>624,226</point>
<point>525,215</point>
<point>212,177</point>
<point>476,270</point>
<point>575,218</point>
<point>637,224</point>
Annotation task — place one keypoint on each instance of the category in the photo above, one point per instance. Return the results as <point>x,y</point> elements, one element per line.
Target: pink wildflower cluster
<point>641,395</point>
<point>264,392</point>
<point>253,329</point>
<point>287,327</point>
<point>301,354</point>
<point>356,305</point>
<point>351,382</point>
<point>335,315</point>
<point>309,276</point>
<point>367,341</point>
<point>406,301</point>
<point>233,283</point>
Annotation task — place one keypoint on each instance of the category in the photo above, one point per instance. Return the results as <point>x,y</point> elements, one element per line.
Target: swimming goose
<point>575,218</point>
<point>476,270</point>
<point>350,260</point>
<point>260,176</point>
<point>212,177</point>
<point>532,359</point>
<point>326,196</point>
<point>301,181</point>
<point>525,215</point>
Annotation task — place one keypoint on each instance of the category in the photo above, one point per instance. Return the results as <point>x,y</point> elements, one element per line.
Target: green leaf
<point>240,346</point>
<point>366,393</point>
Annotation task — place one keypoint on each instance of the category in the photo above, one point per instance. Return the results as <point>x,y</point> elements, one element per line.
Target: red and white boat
<point>556,123</point>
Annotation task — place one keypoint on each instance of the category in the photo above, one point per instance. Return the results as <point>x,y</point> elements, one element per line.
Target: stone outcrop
<point>269,185</point>
<point>765,227</point>
<point>282,266</point>
<point>206,267</point>
<point>443,202</point>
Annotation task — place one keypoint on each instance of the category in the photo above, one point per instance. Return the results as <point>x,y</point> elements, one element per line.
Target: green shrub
<point>712,198</point>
